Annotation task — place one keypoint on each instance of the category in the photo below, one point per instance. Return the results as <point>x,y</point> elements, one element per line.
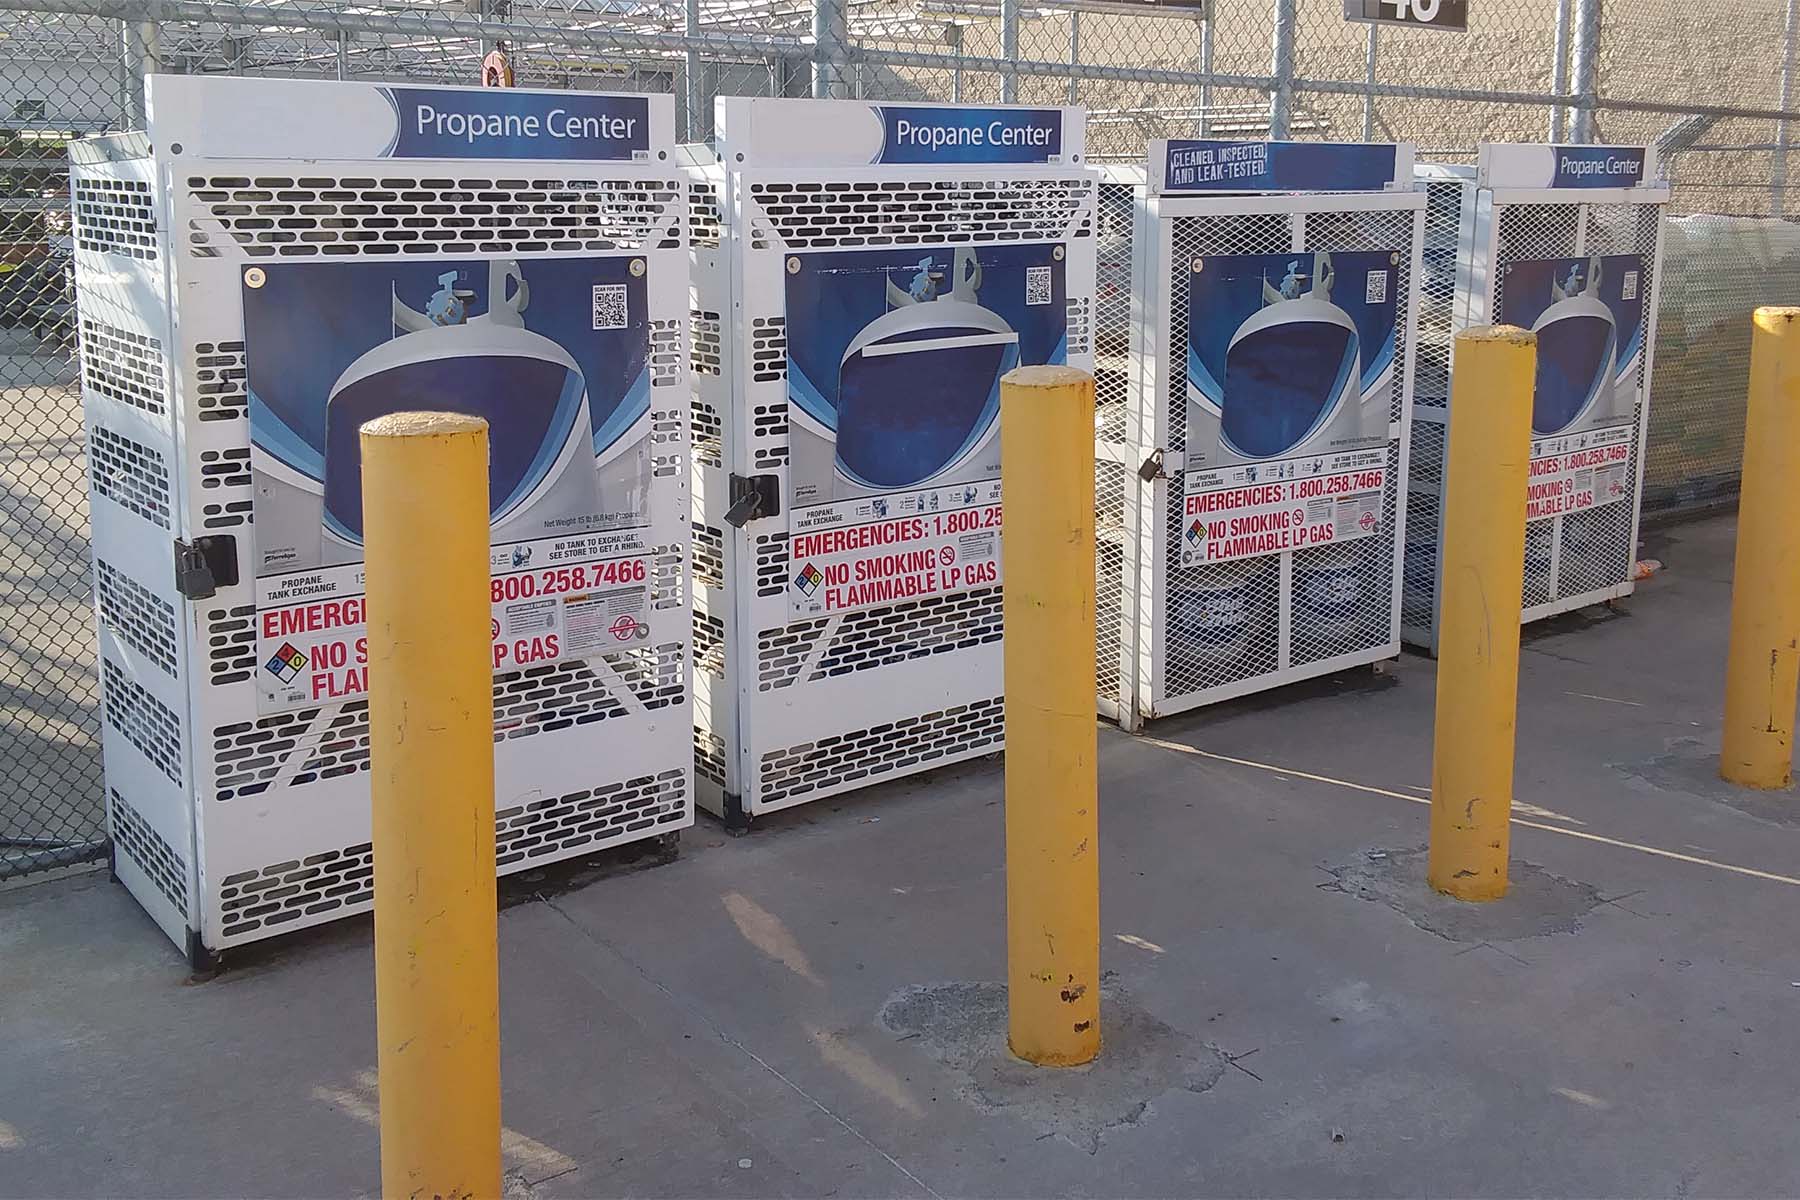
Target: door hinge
<point>752,498</point>
<point>205,565</point>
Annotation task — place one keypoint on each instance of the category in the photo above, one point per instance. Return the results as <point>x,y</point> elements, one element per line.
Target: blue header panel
<point>1598,166</point>
<point>1214,166</point>
<point>920,134</point>
<point>1516,165</point>
<point>502,123</point>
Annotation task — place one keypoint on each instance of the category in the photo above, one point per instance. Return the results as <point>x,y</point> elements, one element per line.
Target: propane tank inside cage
<point>537,241</point>
<point>862,275</point>
<point>1566,240</point>
<point>1251,446</point>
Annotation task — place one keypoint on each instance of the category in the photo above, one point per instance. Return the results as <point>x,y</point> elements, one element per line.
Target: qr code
<point>610,308</point>
<point>1628,286</point>
<point>1037,285</point>
<point>1375,290</point>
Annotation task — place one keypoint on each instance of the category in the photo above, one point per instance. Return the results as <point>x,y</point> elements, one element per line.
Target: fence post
<point>139,48</point>
<point>831,35</point>
<point>1009,51</point>
<point>1483,555</point>
<point>1074,55</point>
<point>694,91</point>
<point>431,757</point>
<point>1369,57</point>
<point>1778,173</point>
<point>1206,66</point>
<point>1763,669</point>
<point>1586,67</point>
<point>1281,65</point>
<point>1559,73</point>
<point>1052,785</point>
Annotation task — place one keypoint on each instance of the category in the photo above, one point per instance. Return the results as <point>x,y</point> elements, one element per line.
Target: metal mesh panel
<point>1221,621</point>
<point>881,750</point>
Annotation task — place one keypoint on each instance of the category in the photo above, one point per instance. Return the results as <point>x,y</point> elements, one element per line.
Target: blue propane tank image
<point>528,389</point>
<point>941,351</point>
<point>1290,365</point>
<point>1577,344</point>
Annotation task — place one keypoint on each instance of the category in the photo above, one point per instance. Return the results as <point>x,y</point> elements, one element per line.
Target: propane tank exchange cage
<point>853,262</point>
<point>1565,240</point>
<point>271,261</point>
<point>1251,444</point>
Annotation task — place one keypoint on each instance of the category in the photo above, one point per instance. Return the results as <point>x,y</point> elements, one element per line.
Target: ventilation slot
<point>134,838</point>
<point>142,719</point>
<point>665,353</point>
<point>115,216</point>
<point>129,474</point>
<point>310,217</point>
<point>708,549</point>
<point>879,637</point>
<point>588,818</point>
<point>709,644</point>
<point>332,882</point>
<point>136,615</point>
<point>823,215</point>
<point>866,754</point>
<point>231,644</point>
<point>1080,325</point>
<point>768,349</point>
<point>769,429</point>
<point>705,224</point>
<point>709,755</point>
<point>220,387</point>
<point>122,366</point>
<point>224,468</point>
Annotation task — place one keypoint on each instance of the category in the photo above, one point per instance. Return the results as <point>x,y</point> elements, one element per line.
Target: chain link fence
<point>1714,96</point>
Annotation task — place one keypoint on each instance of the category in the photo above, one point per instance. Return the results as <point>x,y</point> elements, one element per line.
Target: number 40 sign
<point>1435,14</point>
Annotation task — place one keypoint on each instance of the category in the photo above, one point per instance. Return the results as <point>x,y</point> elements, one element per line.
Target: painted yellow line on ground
<point>1585,836</point>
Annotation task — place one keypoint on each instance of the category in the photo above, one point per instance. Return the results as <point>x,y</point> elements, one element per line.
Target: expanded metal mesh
<point>1243,68</point>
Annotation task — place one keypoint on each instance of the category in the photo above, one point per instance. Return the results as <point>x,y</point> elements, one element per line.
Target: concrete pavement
<point>1295,1015</point>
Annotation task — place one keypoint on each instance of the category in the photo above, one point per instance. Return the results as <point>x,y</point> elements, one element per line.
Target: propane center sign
<point>553,353</point>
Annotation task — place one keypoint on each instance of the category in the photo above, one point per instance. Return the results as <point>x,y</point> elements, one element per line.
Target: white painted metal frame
<point>776,723</point>
<point>1147,643</point>
<point>269,819</point>
<point>1479,274</point>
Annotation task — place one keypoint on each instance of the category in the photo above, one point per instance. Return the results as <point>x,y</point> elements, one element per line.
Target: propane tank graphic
<point>528,389</point>
<point>1577,342</point>
<point>919,386</point>
<point>1294,368</point>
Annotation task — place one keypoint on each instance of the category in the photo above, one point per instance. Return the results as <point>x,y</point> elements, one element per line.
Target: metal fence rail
<point>1716,97</point>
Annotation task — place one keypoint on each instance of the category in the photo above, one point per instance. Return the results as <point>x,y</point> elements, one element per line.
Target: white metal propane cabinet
<point>863,275</point>
<point>1565,241</point>
<point>276,262</point>
<point>1249,491</point>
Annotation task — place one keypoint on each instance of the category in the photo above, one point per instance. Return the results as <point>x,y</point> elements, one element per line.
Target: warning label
<point>1267,507</point>
<point>311,625</point>
<point>887,549</point>
<point>1579,471</point>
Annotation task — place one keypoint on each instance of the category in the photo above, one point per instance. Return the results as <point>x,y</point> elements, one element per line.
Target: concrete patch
<point>963,1026</point>
<point>1691,768</point>
<point>1537,903</point>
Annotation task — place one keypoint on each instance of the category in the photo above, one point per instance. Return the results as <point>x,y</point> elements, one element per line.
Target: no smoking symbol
<point>948,555</point>
<point>624,627</point>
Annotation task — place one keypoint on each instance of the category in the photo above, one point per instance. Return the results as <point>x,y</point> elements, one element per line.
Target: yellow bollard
<point>1052,812</point>
<point>431,735</point>
<point>1483,573</point>
<point>1763,668</point>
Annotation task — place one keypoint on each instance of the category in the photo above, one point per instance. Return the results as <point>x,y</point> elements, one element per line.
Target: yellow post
<point>1764,664</point>
<point>1482,588</point>
<point>431,749</point>
<point>1052,786</point>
